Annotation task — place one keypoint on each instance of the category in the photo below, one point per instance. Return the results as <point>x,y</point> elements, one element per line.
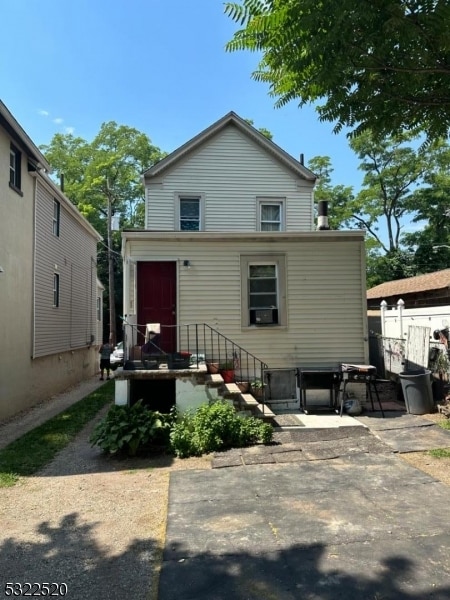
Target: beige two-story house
<point>50,298</point>
<point>230,240</point>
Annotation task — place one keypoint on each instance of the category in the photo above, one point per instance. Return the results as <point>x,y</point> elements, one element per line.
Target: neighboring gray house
<point>230,241</point>
<point>48,279</point>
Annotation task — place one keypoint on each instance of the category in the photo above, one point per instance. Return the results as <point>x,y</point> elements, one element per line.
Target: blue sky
<point>157,65</point>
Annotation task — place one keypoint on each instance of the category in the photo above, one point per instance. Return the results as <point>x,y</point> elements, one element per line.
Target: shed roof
<point>411,285</point>
<point>231,118</point>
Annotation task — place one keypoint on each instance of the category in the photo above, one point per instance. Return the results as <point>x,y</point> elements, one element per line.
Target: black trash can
<point>417,391</point>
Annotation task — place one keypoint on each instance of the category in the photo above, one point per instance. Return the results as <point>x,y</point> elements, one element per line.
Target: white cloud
<point>69,130</point>
<point>58,120</point>
<point>43,113</point>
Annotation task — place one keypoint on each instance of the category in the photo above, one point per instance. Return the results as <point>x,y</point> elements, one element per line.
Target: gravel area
<point>94,523</point>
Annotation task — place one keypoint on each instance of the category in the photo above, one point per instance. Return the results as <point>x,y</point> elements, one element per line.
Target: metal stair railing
<point>207,345</point>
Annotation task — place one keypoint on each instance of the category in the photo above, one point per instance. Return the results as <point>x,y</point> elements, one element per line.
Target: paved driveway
<point>360,526</point>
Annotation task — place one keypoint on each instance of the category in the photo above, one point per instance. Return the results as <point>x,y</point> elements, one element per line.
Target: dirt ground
<point>439,468</point>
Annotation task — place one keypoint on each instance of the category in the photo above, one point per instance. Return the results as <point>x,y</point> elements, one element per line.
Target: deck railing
<point>207,346</point>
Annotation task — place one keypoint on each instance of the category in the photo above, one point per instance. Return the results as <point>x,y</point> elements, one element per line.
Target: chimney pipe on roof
<point>322,219</point>
<point>302,159</point>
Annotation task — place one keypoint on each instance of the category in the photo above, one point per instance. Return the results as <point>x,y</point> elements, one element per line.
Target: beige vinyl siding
<point>231,171</point>
<point>72,256</point>
<point>326,321</point>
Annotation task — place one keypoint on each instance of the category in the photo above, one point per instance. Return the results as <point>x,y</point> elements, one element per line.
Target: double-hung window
<point>270,215</point>
<point>56,217</point>
<point>263,293</point>
<point>263,282</point>
<point>190,213</point>
<point>15,175</point>
<point>55,290</point>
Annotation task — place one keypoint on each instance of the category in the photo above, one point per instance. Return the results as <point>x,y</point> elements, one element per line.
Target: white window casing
<point>263,289</point>
<point>189,212</point>
<point>271,214</point>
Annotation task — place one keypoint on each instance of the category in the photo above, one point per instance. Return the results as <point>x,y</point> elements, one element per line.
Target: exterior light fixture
<point>187,263</point>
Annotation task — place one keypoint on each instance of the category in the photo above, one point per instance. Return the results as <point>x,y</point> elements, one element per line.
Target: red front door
<point>156,300</point>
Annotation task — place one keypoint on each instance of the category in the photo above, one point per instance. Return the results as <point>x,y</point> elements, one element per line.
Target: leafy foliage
<point>381,65</point>
<point>103,178</point>
<point>126,430</point>
<point>215,427</point>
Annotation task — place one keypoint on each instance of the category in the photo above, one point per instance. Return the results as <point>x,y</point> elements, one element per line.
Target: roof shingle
<point>421,283</point>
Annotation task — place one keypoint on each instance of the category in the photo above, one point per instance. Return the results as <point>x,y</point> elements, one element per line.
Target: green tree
<point>103,179</point>
<point>431,205</point>
<point>393,170</point>
<point>339,197</point>
<point>266,133</point>
<point>382,65</point>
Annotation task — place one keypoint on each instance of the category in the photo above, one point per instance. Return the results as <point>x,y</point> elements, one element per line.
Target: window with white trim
<point>190,213</point>
<point>56,217</point>
<point>15,170</point>
<point>55,290</point>
<point>263,282</point>
<point>270,215</point>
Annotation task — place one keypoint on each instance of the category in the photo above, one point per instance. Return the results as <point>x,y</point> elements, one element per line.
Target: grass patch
<point>442,452</point>
<point>32,451</point>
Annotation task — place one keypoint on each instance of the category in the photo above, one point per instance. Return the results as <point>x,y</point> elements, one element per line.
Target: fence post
<point>383,306</point>
<point>400,306</point>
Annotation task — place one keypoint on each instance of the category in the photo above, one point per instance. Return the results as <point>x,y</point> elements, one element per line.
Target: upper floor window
<point>271,215</point>
<point>190,213</point>
<point>55,290</point>
<point>56,217</point>
<point>15,163</point>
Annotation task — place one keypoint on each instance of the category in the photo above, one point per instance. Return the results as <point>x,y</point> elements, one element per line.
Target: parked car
<point>116,358</point>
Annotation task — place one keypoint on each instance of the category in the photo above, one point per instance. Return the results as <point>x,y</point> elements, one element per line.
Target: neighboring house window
<point>270,215</point>
<point>15,163</point>
<point>55,290</point>
<point>56,217</point>
<point>263,281</point>
<point>190,213</point>
<point>99,308</point>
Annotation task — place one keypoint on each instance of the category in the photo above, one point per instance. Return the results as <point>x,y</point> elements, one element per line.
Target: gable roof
<point>21,137</point>
<point>231,119</point>
<point>421,283</point>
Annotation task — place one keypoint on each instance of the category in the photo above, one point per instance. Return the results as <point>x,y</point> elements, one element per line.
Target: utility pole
<point>112,304</point>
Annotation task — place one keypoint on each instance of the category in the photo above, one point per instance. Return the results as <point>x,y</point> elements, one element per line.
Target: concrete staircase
<point>243,402</point>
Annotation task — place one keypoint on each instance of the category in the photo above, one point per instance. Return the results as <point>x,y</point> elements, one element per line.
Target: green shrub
<point>215,427</point>
<point>127,430</point>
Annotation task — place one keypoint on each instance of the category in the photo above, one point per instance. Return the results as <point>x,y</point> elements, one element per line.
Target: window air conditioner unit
<point>267,316</point>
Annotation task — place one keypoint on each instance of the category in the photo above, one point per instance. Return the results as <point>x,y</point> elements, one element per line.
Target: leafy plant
<point>257,384</point>
<point>227,365</point>
<point>128,429</point>
<point>214,427</point>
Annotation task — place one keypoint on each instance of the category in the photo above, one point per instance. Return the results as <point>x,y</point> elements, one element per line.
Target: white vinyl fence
<point>408,334</point>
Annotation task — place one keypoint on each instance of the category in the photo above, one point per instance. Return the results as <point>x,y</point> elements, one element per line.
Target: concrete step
<point>231,390</point>
<point>214,380</point>
<point>262,411</point>
<point>247,401</point>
